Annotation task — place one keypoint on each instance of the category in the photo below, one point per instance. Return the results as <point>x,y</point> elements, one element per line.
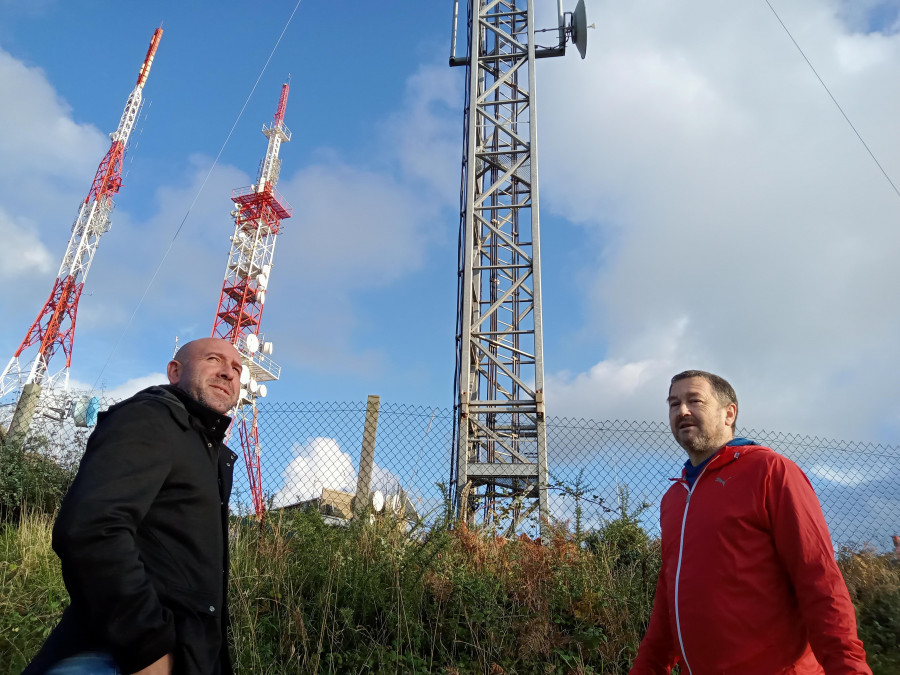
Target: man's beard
<point>200,397</point>
<point>698,444</point>
<point>197,393</point>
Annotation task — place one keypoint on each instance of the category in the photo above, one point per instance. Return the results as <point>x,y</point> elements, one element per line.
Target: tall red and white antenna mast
<point>258,212</point>
<point>28,372</point>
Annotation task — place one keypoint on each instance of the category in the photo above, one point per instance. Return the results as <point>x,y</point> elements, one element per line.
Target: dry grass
<point>308,598</point>
<point>32,594</point>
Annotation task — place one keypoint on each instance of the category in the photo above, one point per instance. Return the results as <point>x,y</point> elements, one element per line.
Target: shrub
<point>309,598</point>
<point>29,479</point>
<point>874,584</point>
<point>373,597</point>
<point>32,594</point>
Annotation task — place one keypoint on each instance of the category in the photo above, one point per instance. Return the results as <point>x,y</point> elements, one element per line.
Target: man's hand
<point>161,667</point>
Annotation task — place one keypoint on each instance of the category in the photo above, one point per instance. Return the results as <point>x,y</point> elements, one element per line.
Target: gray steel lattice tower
<point>499,472</point>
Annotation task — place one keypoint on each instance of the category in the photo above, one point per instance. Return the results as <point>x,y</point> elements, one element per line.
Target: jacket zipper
<point>687,503</point>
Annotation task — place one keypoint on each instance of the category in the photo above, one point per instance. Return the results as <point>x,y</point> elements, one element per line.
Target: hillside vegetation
<point>373,598</point>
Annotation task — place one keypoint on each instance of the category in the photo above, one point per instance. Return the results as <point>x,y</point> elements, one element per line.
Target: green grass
<point>32,594</point>
<point>372,598</point>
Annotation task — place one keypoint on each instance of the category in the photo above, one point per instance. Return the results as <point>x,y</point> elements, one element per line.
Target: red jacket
<point>749,583</point>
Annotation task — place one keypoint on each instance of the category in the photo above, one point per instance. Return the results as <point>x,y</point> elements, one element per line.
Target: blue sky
<point>704,204</point>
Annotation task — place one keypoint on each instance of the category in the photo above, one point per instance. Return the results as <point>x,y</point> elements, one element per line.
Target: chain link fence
<point>310,456</point>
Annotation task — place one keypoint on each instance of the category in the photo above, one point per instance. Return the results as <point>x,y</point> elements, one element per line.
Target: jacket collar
<point>184,409</point>
<point>730,452</point>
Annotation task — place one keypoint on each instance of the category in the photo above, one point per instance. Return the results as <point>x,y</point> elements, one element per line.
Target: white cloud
<point>121,391</point>
<point>134,385</point>
<point>357,226</point>
<point>851,477</point>
<point>49,158</point>
<point>320,463</point>
<point>46,163</point>
<point>717,185</point>
<point>424,135</point>
<point>353,232</point>
<point>627,388</point>
<point>22,253</point>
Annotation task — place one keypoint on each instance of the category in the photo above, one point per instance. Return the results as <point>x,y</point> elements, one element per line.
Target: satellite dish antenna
<point>579,28</point>
<point>252,343</point>
<point>263,390</point>
<point>377,501</point>
<point>245,375</point>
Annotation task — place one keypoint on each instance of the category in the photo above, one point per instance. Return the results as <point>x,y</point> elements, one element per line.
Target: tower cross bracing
<point>500,472</point>
<point>258,212</point>
<point>54,328</point>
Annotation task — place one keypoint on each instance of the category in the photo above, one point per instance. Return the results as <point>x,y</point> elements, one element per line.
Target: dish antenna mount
<point>572,27</point>
<point>575,26</point>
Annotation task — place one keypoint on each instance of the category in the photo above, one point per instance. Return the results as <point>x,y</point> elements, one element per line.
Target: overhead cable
<point>834,100</point>
<point>196,197</point>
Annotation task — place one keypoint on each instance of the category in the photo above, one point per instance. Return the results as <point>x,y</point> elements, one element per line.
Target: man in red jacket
<point>748,584</point>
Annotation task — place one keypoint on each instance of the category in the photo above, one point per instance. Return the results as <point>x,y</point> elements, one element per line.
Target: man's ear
<point>173,371</point>
<point>730,414</point>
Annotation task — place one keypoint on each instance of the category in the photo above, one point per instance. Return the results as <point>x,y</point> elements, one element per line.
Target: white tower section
<point>55,324</point>
<point>258,213</point>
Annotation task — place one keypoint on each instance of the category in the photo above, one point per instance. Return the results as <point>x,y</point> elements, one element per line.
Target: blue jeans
<point>86,663</point>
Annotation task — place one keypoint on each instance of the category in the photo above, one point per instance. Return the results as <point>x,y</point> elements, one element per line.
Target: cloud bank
<point>320,463</point>
<point>732,220</point>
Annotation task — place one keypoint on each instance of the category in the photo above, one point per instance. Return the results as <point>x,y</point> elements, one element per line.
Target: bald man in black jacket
<point>143,532</point>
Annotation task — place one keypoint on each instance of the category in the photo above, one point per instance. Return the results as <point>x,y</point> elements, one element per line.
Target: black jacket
<point>143,538</point>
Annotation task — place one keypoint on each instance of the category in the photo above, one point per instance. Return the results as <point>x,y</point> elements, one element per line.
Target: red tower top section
<point>55,323</point>
<point>148,60</point>
<point>282,104</point>
<point>259,210</point>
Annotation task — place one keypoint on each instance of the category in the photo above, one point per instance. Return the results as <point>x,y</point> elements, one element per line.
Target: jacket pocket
<point>198,630</point>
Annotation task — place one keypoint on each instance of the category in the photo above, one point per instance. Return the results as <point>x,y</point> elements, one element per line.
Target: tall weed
<point>32,594</point>
<point>373,597</point>
<point>874,584</point>
<point>308,598</point>
<point>29,479</point>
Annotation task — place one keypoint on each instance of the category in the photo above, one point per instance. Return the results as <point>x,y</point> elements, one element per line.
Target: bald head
<point>209,371</point>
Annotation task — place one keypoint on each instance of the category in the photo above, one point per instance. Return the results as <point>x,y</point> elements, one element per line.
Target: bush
<point>874,584</point>
<point>373,597</point>
<point>309,598</point>
<point>29,479</point>
<point>32,594</point>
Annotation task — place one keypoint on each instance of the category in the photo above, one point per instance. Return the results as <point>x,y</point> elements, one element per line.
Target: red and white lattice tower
<point>28,372</point>
<point>259,210</point>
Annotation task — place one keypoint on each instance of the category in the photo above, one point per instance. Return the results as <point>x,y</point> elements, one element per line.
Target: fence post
<point>367,456</point>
